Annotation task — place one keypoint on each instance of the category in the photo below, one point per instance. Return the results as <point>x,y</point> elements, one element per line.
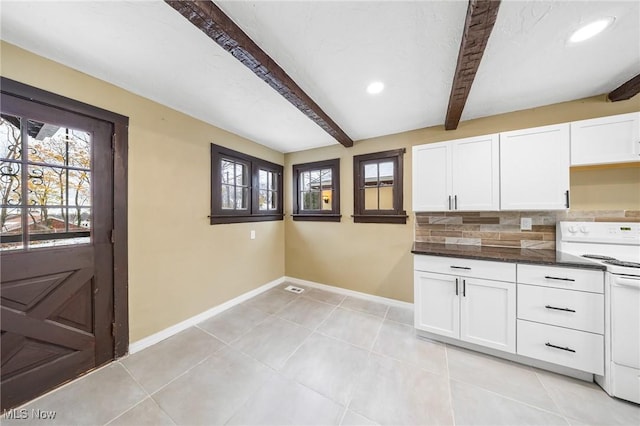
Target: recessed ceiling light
<point>375,87</point>
<point>590,30</point>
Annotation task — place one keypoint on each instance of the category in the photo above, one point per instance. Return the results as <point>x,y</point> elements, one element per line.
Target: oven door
<point>625,320</point>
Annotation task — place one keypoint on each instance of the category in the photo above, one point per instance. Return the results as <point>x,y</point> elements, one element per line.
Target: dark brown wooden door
<point>56,256</point>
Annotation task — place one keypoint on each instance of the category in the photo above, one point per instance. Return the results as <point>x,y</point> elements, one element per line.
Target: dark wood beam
<point>211,20</point>
<point>626,90</point>
<point>481,15</point>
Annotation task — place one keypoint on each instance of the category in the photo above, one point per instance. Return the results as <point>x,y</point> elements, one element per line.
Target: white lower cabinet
<point>561,316</point>
<point>562,346</point>
<point>557,316</point>
<point>474,310</point>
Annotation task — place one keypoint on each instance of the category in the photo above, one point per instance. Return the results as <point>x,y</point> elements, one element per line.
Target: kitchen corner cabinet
<point>606,140</point>
<point>465,303</point>
<point>460,175</point>
<point>534,168</point>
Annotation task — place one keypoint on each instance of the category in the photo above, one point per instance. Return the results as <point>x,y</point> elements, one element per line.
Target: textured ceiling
<point>333,49</point>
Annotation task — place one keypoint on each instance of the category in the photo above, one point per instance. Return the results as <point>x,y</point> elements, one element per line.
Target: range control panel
<point>599,232</point>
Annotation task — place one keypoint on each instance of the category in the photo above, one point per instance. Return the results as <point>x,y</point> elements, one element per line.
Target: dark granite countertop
<point>506,254</point>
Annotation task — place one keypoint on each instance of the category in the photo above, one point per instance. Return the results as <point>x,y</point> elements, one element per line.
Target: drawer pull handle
<point>464,288</point>
<point>461,267</point>
<point>456,286</point>
<point>557,278</point>
<point>559,347</point>
<point>559,309</point>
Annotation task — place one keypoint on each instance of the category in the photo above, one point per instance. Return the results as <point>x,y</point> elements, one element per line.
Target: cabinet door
<point>431,177</point>
<point>437,308</point>
<point>534,168</point>
<point>488,313</point>
<point>476,173</point>
<point>606,140</point>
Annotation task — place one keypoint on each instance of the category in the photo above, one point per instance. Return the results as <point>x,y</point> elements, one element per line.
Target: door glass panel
<point>10,184</point>
<point>11,228</point>
<point>58,188</point>
<point>10,137</point>
<point>79,188</point>
<point>47,186</point>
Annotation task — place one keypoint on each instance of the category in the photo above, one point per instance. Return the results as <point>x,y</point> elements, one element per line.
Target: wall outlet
<point>252,234</point>
<point>525,224</point>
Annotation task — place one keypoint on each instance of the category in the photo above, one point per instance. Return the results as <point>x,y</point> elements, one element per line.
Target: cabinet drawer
<point>565,308</point>
<point>498,271</point>
<point>575,349</point>
<point>566,278</point>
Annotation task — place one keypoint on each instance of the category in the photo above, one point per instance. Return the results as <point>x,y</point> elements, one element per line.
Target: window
<point>244,188</point>
<point>377,187</point>
<point>316,189</point>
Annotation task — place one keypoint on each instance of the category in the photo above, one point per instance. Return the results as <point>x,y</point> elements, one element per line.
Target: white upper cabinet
<point>606,140</point>
<point>534,168</point>
<point>457,175</point>
<point>476,173</point>
<point>431,177</point>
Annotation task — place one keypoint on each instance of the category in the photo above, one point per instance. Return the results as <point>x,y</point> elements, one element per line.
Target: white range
<point>615,245</point>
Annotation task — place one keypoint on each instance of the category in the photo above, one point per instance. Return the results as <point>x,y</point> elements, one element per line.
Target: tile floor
<point>324,359</point>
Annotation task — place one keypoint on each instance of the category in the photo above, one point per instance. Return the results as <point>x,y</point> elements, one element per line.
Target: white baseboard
<point>347,292</point>
<point>181,326</point>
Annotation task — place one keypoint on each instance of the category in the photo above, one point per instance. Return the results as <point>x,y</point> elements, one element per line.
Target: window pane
<point>273,181</point>
<point>311,200</point>
<point>305,181</point>
<point>240,175</point>
<point>272,199</point>
<point>326,179</point>
<point>386,197</point>
<point>371,174</point>
<point>262,199</point>
<point>314,179</point>
<point>241,198</point>
<point>386,173</point>
<point>327,199</point>
<point>263,179</point>
<point>10,179</point>
<point>10,137</point>
<point>47,186</point>
<point>11,228</point>
<point>227,172</point>
<point>79,188</point>
<point>228,195</point>
<point>371,198</point>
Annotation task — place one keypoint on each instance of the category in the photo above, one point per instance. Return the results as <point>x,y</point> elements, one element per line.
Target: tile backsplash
<point>502,229</point>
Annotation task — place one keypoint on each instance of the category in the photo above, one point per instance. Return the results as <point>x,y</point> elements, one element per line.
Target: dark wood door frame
<point>120,157</point>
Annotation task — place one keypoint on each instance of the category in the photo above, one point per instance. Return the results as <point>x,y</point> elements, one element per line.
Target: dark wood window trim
<point>120,166</point>
<point>397,214</point>
<point>332,215</point>
<point>252,212</point>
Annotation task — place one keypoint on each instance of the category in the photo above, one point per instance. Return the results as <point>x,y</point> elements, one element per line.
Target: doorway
<point>62,278</point>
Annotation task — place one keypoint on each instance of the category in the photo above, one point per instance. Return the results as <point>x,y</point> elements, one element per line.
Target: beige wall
<point>376,259</point>
<point>179,265</point>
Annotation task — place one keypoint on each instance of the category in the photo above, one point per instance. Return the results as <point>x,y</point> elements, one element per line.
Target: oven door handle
<point>626,281</point>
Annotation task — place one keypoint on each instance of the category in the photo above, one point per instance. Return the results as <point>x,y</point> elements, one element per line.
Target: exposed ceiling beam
<point>481,15</point>
<point>626,90</point>
<point>210,19</point>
